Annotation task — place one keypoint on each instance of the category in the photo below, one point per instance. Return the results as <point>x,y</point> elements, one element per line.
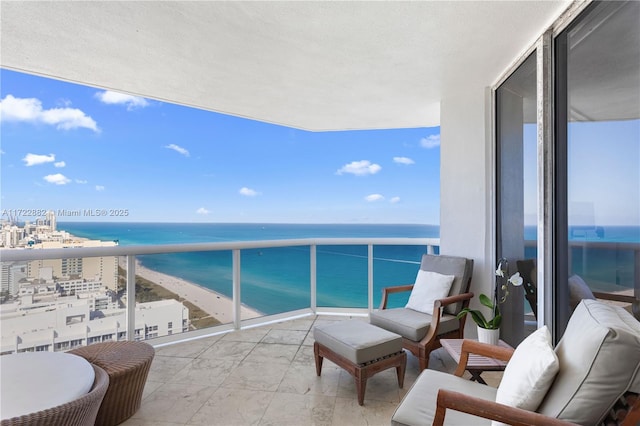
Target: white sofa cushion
<point>36,381</point>
<point>599,357</point>
<point>418,406</point>
<point>529,373</point>
<point>429,287</point>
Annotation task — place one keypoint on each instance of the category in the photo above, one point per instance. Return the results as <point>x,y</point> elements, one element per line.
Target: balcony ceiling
<point>310,65</point>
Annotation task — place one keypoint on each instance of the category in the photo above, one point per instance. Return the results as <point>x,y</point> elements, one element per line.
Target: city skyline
<point>116,157</point>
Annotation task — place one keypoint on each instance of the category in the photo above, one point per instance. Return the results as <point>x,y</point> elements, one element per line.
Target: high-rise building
<point>10,276</point>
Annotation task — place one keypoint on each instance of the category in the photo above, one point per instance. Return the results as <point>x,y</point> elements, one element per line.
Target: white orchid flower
<point>499,271</point>
<point>516,279</point>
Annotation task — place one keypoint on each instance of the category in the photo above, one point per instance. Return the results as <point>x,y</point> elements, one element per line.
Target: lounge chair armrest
<point>484,349</point>
<point>452,299</point>
<point>614,297</point>
<point>394,289</point>
<point>490,410</point>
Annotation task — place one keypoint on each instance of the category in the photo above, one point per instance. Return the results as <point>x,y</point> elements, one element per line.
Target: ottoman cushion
<point>358,341</point>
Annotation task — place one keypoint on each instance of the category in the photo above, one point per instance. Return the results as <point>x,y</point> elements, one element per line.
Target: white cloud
<point>394,200</point>
<point>374,197</point>
<point>99,188</point>
<point>178,149</point>
<point>30,110</point>
<point>431,141</point>
<point>248,192</point>
<point>115,98</point>
<point>403,160</point>
<point>57,179</point>
<point>360,168</point>
<point>35,159</point>
<point>80,181</point>
<point>60,164</point>
<point>202,210</point>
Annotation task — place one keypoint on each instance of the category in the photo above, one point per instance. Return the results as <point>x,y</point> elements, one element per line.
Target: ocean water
<point>603,256</point>
<point>275,279</point>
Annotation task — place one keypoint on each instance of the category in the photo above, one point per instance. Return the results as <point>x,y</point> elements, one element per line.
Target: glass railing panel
<point>274,280</point>
<point>60,304</point>
<point>342,276</point>
<point>393,266</point>
<point>609,269</point>
<point>180,292</point>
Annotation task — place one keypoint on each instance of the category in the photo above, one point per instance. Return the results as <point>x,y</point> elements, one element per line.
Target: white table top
<point>34,381</point>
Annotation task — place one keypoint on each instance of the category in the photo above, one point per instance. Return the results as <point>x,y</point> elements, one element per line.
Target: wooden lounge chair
<point>596,364</point>
<point>421,332</point>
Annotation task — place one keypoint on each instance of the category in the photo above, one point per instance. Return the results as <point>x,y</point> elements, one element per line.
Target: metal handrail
<point>131,251</point>
<point>10,255</point>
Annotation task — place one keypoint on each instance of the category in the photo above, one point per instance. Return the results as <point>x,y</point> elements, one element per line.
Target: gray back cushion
<point>578,290</point>
<point>599,356</point>
<point>461,267</point>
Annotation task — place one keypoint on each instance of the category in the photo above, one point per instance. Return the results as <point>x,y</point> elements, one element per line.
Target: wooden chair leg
<point>318,358</point>
<point>400,373</point>
<point>424,362</point>
<point>361,384</point>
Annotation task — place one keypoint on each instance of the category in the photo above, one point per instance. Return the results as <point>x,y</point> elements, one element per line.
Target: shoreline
<point>215,304</point>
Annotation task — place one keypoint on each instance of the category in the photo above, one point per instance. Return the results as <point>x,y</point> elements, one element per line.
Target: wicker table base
<point>127,364</point>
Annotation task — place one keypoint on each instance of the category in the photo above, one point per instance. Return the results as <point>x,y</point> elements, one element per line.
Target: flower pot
<point>488,336</point>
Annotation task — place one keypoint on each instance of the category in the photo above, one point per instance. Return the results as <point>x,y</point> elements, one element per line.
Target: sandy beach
<point>215,304</point>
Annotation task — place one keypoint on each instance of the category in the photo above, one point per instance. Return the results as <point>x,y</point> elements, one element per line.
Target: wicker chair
<point>80,412</point>
<point>127,363</point>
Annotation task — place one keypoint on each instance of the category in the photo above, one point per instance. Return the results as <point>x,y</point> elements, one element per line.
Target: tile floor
<point>266,376</point>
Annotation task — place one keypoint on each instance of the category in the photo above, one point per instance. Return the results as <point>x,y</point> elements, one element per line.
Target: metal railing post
<point>313,277</point>
<point>237,302</point>
<point>636,283</point>
<point>131,297</point>
<point>370,277</point>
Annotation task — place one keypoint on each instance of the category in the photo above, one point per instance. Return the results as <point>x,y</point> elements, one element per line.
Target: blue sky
<point>66,146</point>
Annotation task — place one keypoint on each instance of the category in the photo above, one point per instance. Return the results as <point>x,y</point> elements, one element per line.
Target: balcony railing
<point>130,253</point>
<point>46,339</point>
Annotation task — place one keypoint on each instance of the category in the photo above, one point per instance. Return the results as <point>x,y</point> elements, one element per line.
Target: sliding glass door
<point>516,190</point>
<point>575,190</point>
<point>598,154</point>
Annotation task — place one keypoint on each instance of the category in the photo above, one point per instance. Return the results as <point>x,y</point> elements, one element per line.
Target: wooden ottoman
<point>361,349</point>
<point>127,364</point>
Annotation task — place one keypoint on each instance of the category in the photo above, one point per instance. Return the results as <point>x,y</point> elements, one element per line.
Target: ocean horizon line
<point>249,223</point>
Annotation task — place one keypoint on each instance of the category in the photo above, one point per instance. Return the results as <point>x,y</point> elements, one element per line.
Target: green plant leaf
<point>494,324</point>
<point>477,317</point>
<point>486,301</point>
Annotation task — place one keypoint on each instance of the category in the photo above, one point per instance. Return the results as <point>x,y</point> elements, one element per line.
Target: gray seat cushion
<point>599,356</point>
<point>461,267</point>
<point>358,341</point>
<point>411,324</point>
<point>418,406</point>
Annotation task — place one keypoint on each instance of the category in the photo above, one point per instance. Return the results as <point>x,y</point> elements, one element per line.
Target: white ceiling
<point>311,65</point>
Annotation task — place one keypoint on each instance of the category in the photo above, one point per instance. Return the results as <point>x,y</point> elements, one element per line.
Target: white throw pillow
<point>529,373</point>
<point>429,287</point>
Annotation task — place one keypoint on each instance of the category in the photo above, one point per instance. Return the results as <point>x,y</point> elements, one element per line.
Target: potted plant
<point>489,329</point>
